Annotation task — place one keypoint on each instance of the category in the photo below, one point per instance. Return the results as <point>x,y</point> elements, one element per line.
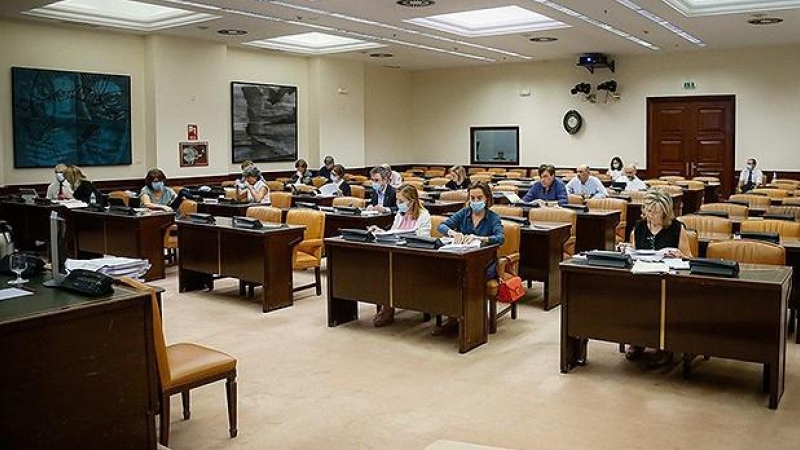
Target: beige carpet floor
<point>303,385</point>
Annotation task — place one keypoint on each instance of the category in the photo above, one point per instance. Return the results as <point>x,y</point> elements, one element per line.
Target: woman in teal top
<point>155,194</point>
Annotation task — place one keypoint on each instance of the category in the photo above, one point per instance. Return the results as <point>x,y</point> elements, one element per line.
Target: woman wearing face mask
<point>475,222</point>
<point>59,188</point>
<point>615,168</point>
<point>254,186</point>
<point>155,194</point>
<point>411,216</point>
<point>337,178</point>
<point>302,175</point>
<point>84,189</point>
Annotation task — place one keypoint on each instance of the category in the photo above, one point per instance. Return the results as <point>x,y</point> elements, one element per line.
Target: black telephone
<point>347,210</point>
<point>126,210</point>
<point>202,218</point>
<point>247,222</point>
<point>86,282</point>
<point>42,201</point>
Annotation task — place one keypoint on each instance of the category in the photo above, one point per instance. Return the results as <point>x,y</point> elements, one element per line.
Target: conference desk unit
<point>336,221</point>
<point>226,209</point>
<point>258,256</point>
<point>596,230</point>
<point>31,222</point>
<point>441,208</point>
<point>692,200</point>
<point>78,372</point>
<point>134,236</point>
<point>541,249</point>
<point>430,281</point>
<point>740,318</point>
<point>318,200</point>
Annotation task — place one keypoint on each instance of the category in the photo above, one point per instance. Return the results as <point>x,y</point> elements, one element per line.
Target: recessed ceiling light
<point>489,22</point>
<point>125,14</point>
<point>416,3</point>
<point>232,32</point>
<point>765,21</point>
<point>380,55</point>
<point>314,43</point>
<point>543,39</point>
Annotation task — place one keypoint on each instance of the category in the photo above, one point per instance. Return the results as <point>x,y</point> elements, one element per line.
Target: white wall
<point>447,102</point>
<point>387,114</point>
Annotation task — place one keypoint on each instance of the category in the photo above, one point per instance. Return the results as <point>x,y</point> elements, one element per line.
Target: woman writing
<point>155,194</point>
<point>337,178</point>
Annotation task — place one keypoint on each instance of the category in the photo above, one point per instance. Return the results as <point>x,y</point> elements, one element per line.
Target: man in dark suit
<point>384,197</point>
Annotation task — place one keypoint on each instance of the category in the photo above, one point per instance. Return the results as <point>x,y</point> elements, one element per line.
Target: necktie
<point>749,176</point>
<point>61,190</point>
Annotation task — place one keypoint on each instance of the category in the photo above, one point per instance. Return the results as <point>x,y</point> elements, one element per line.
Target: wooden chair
<point>753,201</point>
<point>784,228</point>
<point>612,204</point>
<point>558,215</point>
<point>308,253</point>
<point>358,191</point>
<point>574,199</point>
<point>771,193</point>
<point>474,170</point>
<point>690,184</point>
<point>438,181</point>
<point>787,210</point>
<point>433,173</point>
<point>185,366</point>
<point>171,236</point>
<point>748,251</point>
<point>265,213</point>
<point>353,202</point>
<point>514,174</point>
<point>504,188</point>
<point>483,178</point>
<point>122,195</point>
<point>672,178</point>
<point>461,195</point>
<point>669,188</point>
<point>732,209</point>
<point>708,224</point>
<point>275,185</point>
<point>435,222</point>
<point>280,199</point>
<point>318,181</point>
<point>506,210</point>
<point>656,182</point>
<point>792,201</point>
<point>496,170</point>
<point>507,267</point>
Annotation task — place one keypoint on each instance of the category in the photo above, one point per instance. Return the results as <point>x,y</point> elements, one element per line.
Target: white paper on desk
<point>329,189</point>
<point>677,263</point>
<point>111,265</point>
<point>512,197</point>
<point>9,293</point>
<point>370,212</point>
<point>641,266</point>
<point>459,248</point>
<point>71,204</point>
<point>380,232</point>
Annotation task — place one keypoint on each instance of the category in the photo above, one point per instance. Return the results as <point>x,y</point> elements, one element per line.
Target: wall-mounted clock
<point>573,121</point>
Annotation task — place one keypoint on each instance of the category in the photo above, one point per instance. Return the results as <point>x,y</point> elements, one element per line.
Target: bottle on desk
<point>92,199</point>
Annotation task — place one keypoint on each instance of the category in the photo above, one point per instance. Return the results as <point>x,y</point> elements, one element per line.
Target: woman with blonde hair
<point>82,189</point>
<point>458,178</point>
<point>411,216</point>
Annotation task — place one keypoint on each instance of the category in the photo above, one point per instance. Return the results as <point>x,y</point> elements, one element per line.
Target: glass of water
<point>18,264</point>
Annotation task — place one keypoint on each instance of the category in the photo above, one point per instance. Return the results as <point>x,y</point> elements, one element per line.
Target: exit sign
<point>688,85</point>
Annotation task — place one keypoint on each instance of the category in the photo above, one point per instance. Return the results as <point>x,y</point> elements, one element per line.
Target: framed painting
<point>263,122</point>
<point>193,154</point>
<point>494,145</point>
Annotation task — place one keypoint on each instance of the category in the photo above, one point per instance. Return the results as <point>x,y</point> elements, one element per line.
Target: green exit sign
<point>688,85</point>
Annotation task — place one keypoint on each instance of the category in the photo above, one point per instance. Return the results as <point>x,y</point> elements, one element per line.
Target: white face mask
<point>334,178</point>
<point>300,174</point>
<point>749,167</point>
<point>60,177</point>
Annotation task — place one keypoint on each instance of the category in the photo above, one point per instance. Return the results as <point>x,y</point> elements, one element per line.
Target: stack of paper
<point>641,266</point>
<point>460,248</point>
<point>70,204</point>
<point>112,266</point>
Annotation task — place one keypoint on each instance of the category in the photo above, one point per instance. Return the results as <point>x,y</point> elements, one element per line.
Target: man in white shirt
<point>633,183</point>
<point>750,178</point>
<point>585,185</point>
<point>59,188</point>
<point>395,179</point>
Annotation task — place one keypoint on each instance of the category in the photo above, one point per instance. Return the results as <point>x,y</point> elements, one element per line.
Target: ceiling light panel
<point>599,24</point>
<point>314,43</point>
<point>694,8</point>
<point>489,22</point>
<point>125,14</point>
<point>662,22</point>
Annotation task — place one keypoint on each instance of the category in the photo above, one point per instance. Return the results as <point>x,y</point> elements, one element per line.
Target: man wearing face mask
<point>325,171</point>
<point>384,196</point>
<point>750,178</point>
<point>303,175</point>
<point>59,188</point>
<point>155,194</point>
<point>633,183</point>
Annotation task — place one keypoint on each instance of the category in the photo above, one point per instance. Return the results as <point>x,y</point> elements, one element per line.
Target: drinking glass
<point>18,265</point>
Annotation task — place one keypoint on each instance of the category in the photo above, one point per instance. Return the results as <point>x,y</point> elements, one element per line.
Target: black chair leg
<point>318,280</point>
<point>492,315</point>
<point>242,288</point>
<point>163,438</point>
<point>514,311</point>
<point>185,398</point>
<point>230,390</point>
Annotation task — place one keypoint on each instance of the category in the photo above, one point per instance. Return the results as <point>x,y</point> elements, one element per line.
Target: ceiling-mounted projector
<point>593,61</point>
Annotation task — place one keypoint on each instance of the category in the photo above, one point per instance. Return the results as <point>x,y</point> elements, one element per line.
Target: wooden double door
<point>691,137</point>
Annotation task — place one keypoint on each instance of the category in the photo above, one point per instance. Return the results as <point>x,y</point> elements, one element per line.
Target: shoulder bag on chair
<point>510,290</point>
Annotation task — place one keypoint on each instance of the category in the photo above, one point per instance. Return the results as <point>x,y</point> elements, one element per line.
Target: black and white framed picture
<point>264,122</point>
<point>494,145</point>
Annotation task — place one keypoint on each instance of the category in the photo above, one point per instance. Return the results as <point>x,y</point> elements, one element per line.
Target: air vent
<point>380,55</point>
<point>232,32</point>
<point>765,21</point>
<point>543,39</point>
<point>416,3</point>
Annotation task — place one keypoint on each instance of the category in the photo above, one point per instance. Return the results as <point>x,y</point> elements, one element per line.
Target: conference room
<point>399,224</point>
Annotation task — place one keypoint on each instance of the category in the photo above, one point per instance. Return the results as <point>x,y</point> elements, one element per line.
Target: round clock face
<point>572,121</point>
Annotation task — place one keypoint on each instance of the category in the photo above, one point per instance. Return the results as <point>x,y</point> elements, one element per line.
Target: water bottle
<point>774,176</point>
<point>92,199</point>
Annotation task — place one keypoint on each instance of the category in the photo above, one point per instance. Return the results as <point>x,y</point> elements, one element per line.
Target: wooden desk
<point>319,200</point>
<point>711,194</point>
<point>441,208</point>
<point>30,222</point>
<point>596,230</point>
<point>692,200</point>
<point>78,372</point>
<point>139,236</point>
<point>256,256</point>
<point>541,248</point>
<point>226,209</point>
<point>335,222</point>
<point>421,280</point>
<point>742,318</point>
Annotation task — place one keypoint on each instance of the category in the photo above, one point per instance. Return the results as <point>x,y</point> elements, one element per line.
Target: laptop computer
<point>28,193</point>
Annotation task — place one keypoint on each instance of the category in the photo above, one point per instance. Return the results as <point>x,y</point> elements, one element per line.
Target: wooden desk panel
<point>541,250</point>
<point>335,222</point>
<point>319,200</point>
<point>226,209</point>
<point>596,230</point>
<point>441,208</point>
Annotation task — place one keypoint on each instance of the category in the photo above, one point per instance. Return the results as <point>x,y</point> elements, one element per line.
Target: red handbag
<point>510,290</point>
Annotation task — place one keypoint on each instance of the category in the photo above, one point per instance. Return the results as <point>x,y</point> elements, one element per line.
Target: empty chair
<point>691,184</point>
<point>612,204</point>
<point>265,213</point>
<point>481,177</point>
<point>753,201</point>
<point>514,174</point>
<point>435,222</point>
<point>786,210</point>
<point>419,185</point>
<point>433,173</point>
<point>783,228</point>
<point>461,195</point>
<point>790,187</point>
<point>438,181</point>
<point>122,195</point>
<point>670,188</point>
<point>352,202</point>
<point>275,185</point>
<point>308,253</point>
<point>280,199</point>
<point>636,196</point>
<point>694,242</point>
<point>283,180</point>
<point>558,215</point>
<point>509,182</point>
<point>507,267</point>
<point>497,170</point>
<point>771,193</point>
<point>473,170</point>
<point>508,211</point>
<point>171,236</point>
<point>413,178</point>
<point>792,201</point>
<point>747,251</point>
<point>708,224</point>
<point>672,178</point>
<point>358,191</point>
<point>731,208</point>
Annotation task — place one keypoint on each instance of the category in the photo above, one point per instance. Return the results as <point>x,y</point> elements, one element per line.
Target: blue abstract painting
<point>70,117</point>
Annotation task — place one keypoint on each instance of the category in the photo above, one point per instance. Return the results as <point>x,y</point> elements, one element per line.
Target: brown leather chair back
<point>438,181</point>
<point>771,193</point>
<point>418,185</point>
<point>558,215</point>
<point>461,195</point>
<point>358,179</point>
<point>120,195</point>
<point>414,178</point>
<point>784,228</point>
<point>508,182</point>
<point>433,173</point>
<point>479,177</point>
<point>318,181</point>
<point>755,201</point>
<point>187,207</point>
<point>795,201</point>
<point>350,201</point>
<point>706,179</point>
<point>656,182</point>
<point>694,242</point>
<point>159,342</point>
<point>506,210</point>
<point>787,210</point>
<point>731,208</point>
<point>275,185</point>
<point>511,231</point>
<point>672,178</point>
<point>358,191</point>
<point>612,204</point>
<point>280,199</point>
<point>314,222</point>
<point>504,188</point>
<point>748,251</point>
<point>574,199</point>
<point>707,224</point>
<point>435,222</point>
<point>265,213</point>
<point>228,183</point>
<point>497,170</point>
<point>691,184</point>
<point>511,175</point>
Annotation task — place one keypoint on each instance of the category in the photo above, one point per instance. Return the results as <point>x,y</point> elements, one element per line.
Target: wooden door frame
<point>730,158</point>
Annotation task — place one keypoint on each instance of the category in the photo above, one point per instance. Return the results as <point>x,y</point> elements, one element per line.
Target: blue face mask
<point>377,186</point>
<point>402,207</point>
<point>477,206</point>
<point>157,185</point>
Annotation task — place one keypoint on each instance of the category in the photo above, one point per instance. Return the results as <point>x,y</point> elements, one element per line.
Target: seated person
<point>303,175</point>
<point>84,189</point>
<point>337,178</point>
<point>325,171</point>
<point>155,194</point>
<point>458,178</point>
<point>632,182</point>
<point>475,222</point>
<point>658,230</point>
<point>615,168</point>
<point>246,164</point>
<point>585,185</point>
<point>548,188</point>
<point>411,216</point>
<point>395,179</point>
<point>59,188</point>
<point>254,187</point>
<point>384,197</point>
<point>749,179</point>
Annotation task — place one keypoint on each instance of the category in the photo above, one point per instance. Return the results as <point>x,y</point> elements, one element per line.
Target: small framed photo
<point>494,145</point>
<point>193,154</point>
